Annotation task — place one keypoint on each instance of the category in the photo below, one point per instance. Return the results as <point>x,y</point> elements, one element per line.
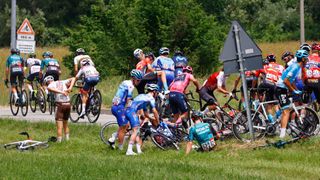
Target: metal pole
<point>13,24</point>
<point>302,38</point>
<point>243,78</point>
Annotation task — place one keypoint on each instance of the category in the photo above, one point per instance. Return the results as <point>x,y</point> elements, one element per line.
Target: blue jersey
<point>142,101</point>
<point>180,61</point>
<point>50,64</point>
<point>292,72</point>
<point>163,63</point>
<point>202,133</point>
<point>124,91</point>
<point>14,60</point>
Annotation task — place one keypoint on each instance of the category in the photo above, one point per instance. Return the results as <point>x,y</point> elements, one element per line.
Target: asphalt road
<point>38,116</point>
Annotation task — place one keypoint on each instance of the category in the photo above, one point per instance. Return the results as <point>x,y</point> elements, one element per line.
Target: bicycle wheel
<point>240,126</point>
<point>308,123</point>
<point>76,108</point>
<point>24,103</point>
<point>11,145</point>
<point>41,100</point>
<point>32,103</point>
<point>13,106</point>
<point>107,132</point>
<point>163,142</point>
<point>51,103</point>
<point>180,134</point>
<point>94,109</point>
<point>34,145</point>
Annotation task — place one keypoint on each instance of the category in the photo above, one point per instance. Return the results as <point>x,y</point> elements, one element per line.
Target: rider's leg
<point>163,79</point>
<point>284,122</point>
<point>121,134</point>
<point>138,141</point>
<point>66,129</point>
<point>59,123</point>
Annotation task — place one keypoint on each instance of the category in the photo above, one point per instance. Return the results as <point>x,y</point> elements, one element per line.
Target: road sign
<point>251,53</point>
<point>25,38</point>
<point>26,46</point>
<point>240,53</point>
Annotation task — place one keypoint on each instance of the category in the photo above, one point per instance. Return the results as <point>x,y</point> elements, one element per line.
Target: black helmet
<point>271,58</point>
<point>15,51</point>
<point>32,55</point>
<point>286,54</point>
<point>80,51</point>
<point>196,115</point>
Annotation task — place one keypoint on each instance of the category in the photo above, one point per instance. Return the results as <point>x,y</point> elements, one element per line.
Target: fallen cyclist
<point>203,133</point>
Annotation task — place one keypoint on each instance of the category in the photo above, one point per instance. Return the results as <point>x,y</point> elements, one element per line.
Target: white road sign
<point>26,46</point>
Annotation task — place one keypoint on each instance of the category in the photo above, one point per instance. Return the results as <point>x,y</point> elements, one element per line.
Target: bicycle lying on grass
<point>29,144</point>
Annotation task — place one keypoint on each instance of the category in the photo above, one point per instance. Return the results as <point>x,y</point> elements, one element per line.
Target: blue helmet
<point>164,50</point>
<point>301,54</point>
<point>136,74</point>
<point>46,54</point>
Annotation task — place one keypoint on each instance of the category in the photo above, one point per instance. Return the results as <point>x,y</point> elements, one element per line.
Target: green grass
<point>86,157</point>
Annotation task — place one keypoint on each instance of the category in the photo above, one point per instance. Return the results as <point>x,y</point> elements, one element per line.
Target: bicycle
<point>22,102</point>
<point>93,106</point>
<point>51,102</point>
<point>303,120</point>
<point>38,99</point>
<point>29,144</point>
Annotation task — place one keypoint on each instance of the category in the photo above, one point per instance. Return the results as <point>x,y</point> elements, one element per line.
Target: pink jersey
<point>180,83</point>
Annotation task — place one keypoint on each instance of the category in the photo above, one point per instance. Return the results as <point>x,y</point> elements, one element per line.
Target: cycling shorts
<point>119,112</point>
<point>63,111</point>
<point>169,77</point>
<point>132,116</point>
<point>282,96</point>
<point>178,102</point>
<point>16,75</point>
<point>32,77</point>
<point>147,78</point>
<point>90,82</point>
<point>207,94</point>
<point>54,74</point>
<point>313,88</point>
<point>269,89</point>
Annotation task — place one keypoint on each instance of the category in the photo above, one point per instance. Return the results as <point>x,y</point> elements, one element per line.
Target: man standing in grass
<point>61,90</point>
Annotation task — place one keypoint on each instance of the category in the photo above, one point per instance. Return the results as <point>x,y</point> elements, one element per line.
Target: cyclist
<point>285,84</point>
<point>165,64</point>
<point>216,81</point>
<point>49,66</point>
<point>202,132</point>
<point>91,78</point>
<point>180,61</point>
<point>34,66</point>
<point>142,101</point>
<point>121,100</point>
<point>61,90</point>
<point>177,99</point>
<point>273,72</point>
<point>80,56</point>
<point>149,73</point>
<point>14,67</point>
<point>287,56</point>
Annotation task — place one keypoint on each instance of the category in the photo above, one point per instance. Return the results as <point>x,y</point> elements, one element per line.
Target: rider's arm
<point>73,80</point>
<point>290,86</point>
<point>156,117</point>
<point>75,69</point>
<point>195,82</point>
<point>236,83</point>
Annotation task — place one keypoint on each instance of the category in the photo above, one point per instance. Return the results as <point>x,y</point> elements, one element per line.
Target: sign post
<point>240,53</point>
<point>13,24</point>
<point>25,36</point>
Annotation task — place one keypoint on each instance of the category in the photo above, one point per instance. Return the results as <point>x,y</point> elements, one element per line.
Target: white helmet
<point>137,53</point>
<point>47,79</point>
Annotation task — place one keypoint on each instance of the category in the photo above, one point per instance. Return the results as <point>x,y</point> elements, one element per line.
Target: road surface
<point>38,116</point>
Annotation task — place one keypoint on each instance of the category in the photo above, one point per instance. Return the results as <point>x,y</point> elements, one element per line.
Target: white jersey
<point>80,58</point>
<point>61,86</point>
<point>34,65</point>
<point>88,71</point>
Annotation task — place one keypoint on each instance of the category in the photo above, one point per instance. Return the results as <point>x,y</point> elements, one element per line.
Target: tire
<point>33,103</point>
<point>11,146</point>
<point>24,105</point>
<point>76,108</point>
<point>41,100</point>
<point>51,103</point>
<point>180,134</point>
<point>94,109</point>
<point>240,126</point>
<point>308,125</point>
<point>107,130</point>
<point>163,142</point>
<point>13,107</point>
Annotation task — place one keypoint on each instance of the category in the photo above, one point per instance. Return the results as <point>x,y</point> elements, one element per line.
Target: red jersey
<point>314,57</point>
<point>273,72</point>
<point>143,65</point>
<point>216,79</point>
<point>312,68</point>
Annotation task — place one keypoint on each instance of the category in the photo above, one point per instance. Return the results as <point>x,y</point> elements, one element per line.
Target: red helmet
<point>187,68</point>
<point>316,47</point>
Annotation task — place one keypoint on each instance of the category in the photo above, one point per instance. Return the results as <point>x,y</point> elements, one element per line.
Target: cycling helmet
<point>286,54</point>
<point>137,53</point>
<point>80,51</point>
<point>32,55</point>
<point>152,87</point>
<point>265,62</point>
<point>301,54</point>
<point>187,68</point>
<point>50,54</point>
<point>271,58</point>
<point>196,115</point>
<point>316,47</point>
<point>164,50</point>
<point>14,51</point>
<point>136,74</point>
<point>46,54</point>
<point>305,46</point>
<point>178,52</point>
<point>47,79</point>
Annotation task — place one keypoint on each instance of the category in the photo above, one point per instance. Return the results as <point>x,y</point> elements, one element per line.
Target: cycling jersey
<point>143,65</point>
<point>180,83</point>
<point>62,86</point>
<point>312,70</point>
<point>50,64</point>
<point>125,90</point>
<point>179,62</point>
<point>291,73</point>
<point>314,57</point>
<point>15,63</point>
<point>202,133</point>
<point>34,65</point>
<point>78,59</point>
<point>273,72</point>
<point>88,71</point>
<point>217,79</point>
<point>166,65</point>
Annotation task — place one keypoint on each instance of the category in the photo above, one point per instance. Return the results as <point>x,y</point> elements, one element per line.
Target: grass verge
<point>86,157</point>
